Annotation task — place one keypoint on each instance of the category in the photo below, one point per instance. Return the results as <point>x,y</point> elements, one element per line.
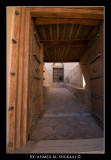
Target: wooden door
<point>24,85</point>
<point>96,65</point>
<point>35,76</point>
<point>58,75</point>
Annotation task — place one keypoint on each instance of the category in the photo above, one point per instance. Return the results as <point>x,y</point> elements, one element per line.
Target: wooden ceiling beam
<point>66,12</point>
<point>59,60</point>
<point>60,43</point>
<point>43,21</point>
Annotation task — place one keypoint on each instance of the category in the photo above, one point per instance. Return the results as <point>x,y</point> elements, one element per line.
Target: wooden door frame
<point>20,50</point>
<point>18,86</point>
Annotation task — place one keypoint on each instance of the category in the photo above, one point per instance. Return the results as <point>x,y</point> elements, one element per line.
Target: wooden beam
<point>66,12</point>
<point>74,43</point>
<point>25,78</point>
<point>11,115</point>
<point>20,81</point>
<point>91,22</point>
<point>59,60</point>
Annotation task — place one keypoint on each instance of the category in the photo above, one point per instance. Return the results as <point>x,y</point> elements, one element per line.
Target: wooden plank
<point>20,80</point>
<point>74,43</point>
<point>65,12</point>
<point>25,78</point>
<point>10,20</point>
<point>91,22</point>
<point>13,84</point>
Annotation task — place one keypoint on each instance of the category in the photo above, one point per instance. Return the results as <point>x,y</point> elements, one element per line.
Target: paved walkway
<point>65,118</point>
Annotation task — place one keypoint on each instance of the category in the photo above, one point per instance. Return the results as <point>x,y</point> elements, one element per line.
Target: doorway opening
<point>58,75</point>
<point>58,41</point>
<point>58,72</point>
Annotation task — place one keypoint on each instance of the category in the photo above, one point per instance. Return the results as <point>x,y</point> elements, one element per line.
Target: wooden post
<point>20,82</point>
<point>25,78</point>
<point>13,83</point>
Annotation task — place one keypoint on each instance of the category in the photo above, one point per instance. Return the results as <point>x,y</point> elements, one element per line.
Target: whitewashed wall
<point>68,67</point>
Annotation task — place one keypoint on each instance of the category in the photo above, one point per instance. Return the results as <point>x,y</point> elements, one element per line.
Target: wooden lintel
<point>72,43</point>
<point>66,60</point>
<point>67,12</point>
<point>91,22</point>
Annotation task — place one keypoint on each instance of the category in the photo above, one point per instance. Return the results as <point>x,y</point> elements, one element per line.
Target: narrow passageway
<point>55,79</point>
<point>64,119</point>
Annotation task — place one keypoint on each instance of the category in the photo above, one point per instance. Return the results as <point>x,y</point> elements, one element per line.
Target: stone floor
<point>65,118</point>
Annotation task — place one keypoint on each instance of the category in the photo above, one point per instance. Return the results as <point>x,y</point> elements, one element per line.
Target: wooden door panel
<point>96,68</point>
<point>58,74</point>
<point>96,72</point>
<point>35,79</point>
<point>99,89</point>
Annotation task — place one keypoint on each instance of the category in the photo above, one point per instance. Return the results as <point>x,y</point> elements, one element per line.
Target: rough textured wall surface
<point>45,76</point>
<point>49,67</point>
<point>84,67</point>
<point>75,77</point>
<point>68,67</point>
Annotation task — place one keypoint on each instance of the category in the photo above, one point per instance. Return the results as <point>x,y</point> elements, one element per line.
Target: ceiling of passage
<point>66,32</point>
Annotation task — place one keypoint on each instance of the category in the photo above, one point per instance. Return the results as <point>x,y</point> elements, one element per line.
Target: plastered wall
<point>84,67</point>
<point>75,77</point>
<point>68,67</point>
<point>45,76</point>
